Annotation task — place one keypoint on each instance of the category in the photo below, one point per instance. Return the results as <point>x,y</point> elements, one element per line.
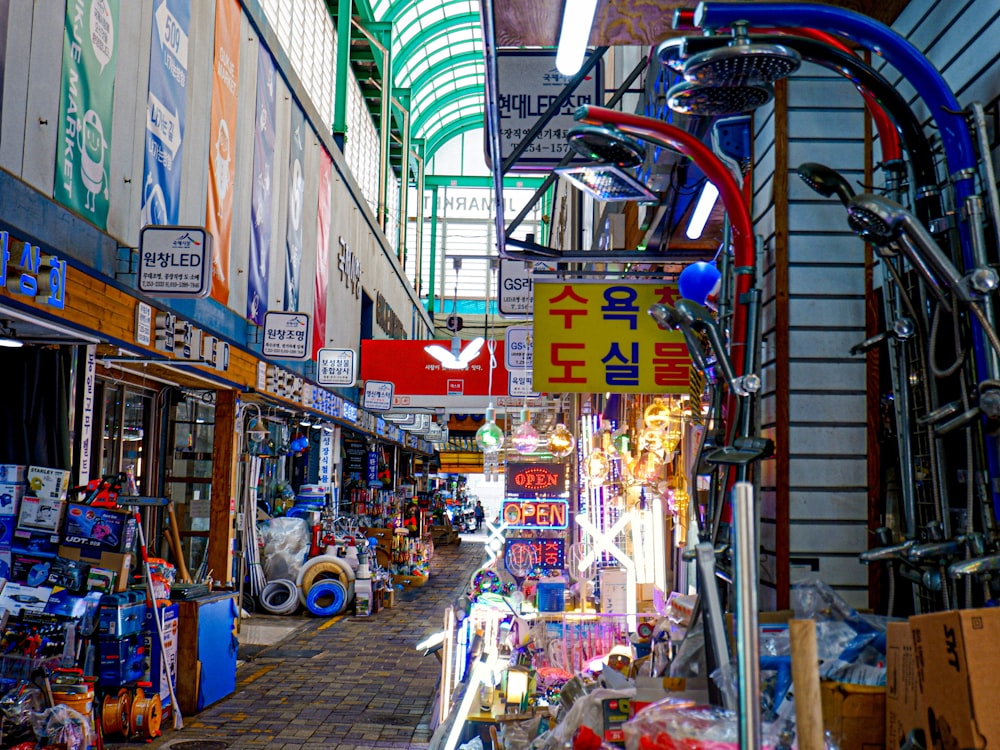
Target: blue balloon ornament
<point>697,281</point>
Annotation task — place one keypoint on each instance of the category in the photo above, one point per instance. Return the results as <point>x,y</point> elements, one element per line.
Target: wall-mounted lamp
<point>305,421</point>
<point>8,337</point>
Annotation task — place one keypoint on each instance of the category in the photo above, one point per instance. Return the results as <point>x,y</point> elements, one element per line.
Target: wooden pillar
<point>221,531</point>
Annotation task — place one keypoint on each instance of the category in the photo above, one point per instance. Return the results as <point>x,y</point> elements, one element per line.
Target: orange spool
<point>116,713</point>
<point>147,713</point>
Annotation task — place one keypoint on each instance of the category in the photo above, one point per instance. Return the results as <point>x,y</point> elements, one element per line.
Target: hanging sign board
<point>175,261</point>
<point>515,286</point>
<point>286,335</point>
<point>600,338</point>
<point>521,554</point>
<point>530,480</point>
<point>535,514</point>
<point>338,367</point>
<point>517,348</point>
<point>378,395</point>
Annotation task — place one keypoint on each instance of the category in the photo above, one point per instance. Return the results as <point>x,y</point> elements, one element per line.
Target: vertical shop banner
<point>260,205</point>
<point>322,249</point>
<point>293,224</point>
<point>225,80</point>
<point>600,337</point>
<point>89,64</point>
<point>166,107</point>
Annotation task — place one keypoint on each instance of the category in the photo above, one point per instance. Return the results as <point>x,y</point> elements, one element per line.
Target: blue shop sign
<point>31,274</point>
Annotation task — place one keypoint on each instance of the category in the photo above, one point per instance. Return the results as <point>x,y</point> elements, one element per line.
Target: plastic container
<point>550,595</point>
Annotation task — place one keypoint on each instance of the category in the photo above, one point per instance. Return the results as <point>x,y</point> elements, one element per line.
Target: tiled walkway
<point>339,683</point>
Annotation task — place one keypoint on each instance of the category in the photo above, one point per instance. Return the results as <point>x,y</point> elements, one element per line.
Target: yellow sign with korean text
<point>599,337</point>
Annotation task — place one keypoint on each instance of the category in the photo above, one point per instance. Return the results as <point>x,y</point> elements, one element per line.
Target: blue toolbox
<point>121,614</point>
<point>120,660</point>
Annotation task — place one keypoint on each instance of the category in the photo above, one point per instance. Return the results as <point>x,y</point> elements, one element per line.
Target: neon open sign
<point>536,514</point>
<point>535,478</point>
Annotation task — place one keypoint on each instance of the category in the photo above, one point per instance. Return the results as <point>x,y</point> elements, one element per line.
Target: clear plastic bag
<point>62,725</point>
<point>665,726</point>
<point>286,545</point>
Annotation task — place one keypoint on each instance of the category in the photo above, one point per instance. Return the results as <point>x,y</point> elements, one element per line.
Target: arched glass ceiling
<point>437,52</point>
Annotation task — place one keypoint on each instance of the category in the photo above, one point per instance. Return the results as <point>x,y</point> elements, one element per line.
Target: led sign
<point>536,514</point>
<point>535,479</point>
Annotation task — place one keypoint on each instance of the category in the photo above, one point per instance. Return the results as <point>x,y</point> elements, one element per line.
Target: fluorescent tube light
<point>578,18</point>
<point>706,202</point>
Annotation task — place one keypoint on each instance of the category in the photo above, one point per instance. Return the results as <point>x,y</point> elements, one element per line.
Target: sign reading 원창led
<point>175,261</point>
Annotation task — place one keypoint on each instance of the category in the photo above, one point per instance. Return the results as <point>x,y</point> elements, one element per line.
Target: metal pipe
<point>747,643</point>
<point>713,622</point>
<point>491,107</point>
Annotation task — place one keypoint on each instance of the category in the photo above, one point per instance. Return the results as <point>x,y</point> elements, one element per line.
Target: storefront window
<point>188,479</point>
<point>126,418</point>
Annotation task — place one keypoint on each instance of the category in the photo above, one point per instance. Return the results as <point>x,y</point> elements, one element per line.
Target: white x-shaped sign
<point>603,541</point>
<point>495,539</point>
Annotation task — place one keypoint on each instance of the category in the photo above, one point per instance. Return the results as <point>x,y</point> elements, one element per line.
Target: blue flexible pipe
<point>932,89</point>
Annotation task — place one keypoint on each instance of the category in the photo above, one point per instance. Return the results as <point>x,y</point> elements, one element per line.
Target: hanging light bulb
<point>652,439</point>
<point>645,468</point>
<point>657,414</point>
<point>597,464</point>
<point>489,437</point>
<point>561,441</point>
<point>525,436</point>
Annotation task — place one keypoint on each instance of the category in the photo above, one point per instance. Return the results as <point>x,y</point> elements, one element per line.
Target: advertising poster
<point>166,107</point>
<point>600,337</point>
<point>322,249</point>
<point>90,60</point>
<point>225,81</point>
<point>293,224</point>
<point>263,178</point>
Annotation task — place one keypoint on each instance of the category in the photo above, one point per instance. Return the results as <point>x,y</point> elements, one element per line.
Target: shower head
<point>668,320</point>
<point>741,62</point>
<point>671,53</point>
<point>880,220</point>
<point>825,181</point>
<point>708,100</point>
<point>606,144</point>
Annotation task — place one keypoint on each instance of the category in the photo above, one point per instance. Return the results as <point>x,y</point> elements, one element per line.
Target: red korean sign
<point>599,337</point>
<point>536,514</point>
<point>535,479</point>
<point>414,372</point>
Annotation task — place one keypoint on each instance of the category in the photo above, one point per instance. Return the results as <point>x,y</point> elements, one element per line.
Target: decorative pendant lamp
<point>489,437</point>
<point>561,440</point>
<point>657,414</point>
<point>525,436</point>
<point>597,464</point>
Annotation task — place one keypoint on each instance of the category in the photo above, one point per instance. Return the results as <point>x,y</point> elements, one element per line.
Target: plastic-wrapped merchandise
<point>63,726</point>
<point>587,711</point>
<point>286,545</point>
<point>665,726</point>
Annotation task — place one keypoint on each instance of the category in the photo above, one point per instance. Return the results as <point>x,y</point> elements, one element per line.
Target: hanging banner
<point>600,338</point>
<point>260,204</point>
<point>293,224</point>
<point>225,80</point>
<point>166,107</point>
<point>322,250</point>
<point>90,61</point>
<point>88,402</point>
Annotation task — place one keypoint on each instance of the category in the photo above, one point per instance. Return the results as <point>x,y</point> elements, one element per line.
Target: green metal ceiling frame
<point>436,52</point>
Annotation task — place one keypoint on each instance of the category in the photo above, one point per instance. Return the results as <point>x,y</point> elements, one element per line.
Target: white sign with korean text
<point>527,84</point>
<point>286,335</point>
<point>515,288</point>
<point>143,324</point>
<point>175,261</point>
<point>378,395</point>
<point>517,348</point>
<point>337,367</point>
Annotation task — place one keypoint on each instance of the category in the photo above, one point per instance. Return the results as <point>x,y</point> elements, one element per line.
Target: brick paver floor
<point>338,683</point>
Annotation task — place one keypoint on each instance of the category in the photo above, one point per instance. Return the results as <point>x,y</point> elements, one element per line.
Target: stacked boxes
<point>120,647</point>
<point>12,486</point>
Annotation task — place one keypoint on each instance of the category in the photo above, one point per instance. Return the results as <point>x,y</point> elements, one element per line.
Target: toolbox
<point>121,660</point>
<point>121,614</point>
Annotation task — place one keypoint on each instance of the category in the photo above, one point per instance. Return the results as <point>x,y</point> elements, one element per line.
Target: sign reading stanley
<point>175,261</point>
<point>535,479</point>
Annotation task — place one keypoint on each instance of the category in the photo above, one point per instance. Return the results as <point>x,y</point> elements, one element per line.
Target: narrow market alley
<point>339,683</point>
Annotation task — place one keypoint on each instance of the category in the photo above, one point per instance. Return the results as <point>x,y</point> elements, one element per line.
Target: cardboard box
<point>854,715</point>
<point>102,529</point>
<point>35,542</point>
<point>48,484</point>
<point>958,666</point>
<point>16,597</point>
<point>10,498</point>
<point>40,514</point>
<point>13,473</point>
<point>31,570</point>
<point>119,563</point>
<point>904,706</point>
<point>161,662</point>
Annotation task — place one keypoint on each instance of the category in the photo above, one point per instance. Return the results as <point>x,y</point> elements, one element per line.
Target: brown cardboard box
<point>854,715</point>
<point>120,564</point>
<point>904,707</point>
<point>958,666</point>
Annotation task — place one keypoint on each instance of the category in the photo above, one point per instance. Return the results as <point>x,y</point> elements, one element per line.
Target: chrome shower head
<point>670,53</point>
<point>667,319</point>
<point>606,144</point>
<point>869,222</point>
<point>742,61</point>
<point>715,101</point>
<point>825,181</point>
